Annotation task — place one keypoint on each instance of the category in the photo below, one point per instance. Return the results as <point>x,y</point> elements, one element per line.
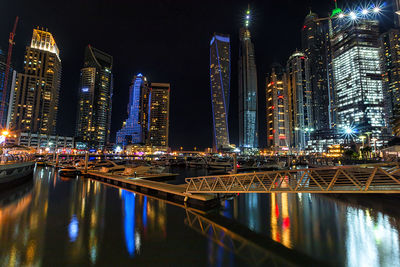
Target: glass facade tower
<point>300,100</point>
<point>220,70</point>
<point>148,114</point>
<point>134,130</point>
<point>358,77</point>
<point>390,60</point>
<point>248,108</point>
<point>95,94</point>
<point>36,92</point>
<point>315,40</point>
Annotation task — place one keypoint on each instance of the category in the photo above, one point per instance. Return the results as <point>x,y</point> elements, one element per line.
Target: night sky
<point>167,41</point>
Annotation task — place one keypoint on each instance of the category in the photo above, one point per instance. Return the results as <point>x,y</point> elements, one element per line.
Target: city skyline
<point>181,112</point>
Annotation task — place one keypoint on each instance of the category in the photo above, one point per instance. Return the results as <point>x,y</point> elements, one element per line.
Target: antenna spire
<point>247,18</point>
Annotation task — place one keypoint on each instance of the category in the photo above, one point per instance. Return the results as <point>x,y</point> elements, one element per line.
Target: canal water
<point>53,221</point>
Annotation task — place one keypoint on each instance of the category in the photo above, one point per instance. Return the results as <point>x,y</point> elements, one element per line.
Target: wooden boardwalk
<point>374,178</point>
<point>166,191</point>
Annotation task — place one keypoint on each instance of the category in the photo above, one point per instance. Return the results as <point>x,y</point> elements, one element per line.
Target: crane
<point>7,71</point>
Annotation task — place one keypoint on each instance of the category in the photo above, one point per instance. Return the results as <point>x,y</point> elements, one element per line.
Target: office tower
<point>390,60</point>
<point>248,113</point>
<point>95,95</point>
<point>10,84</point>
<point>35,102</point>
<point>300,99</point>
<point>358,78</point>
<point>314,44</point>
<point>134,130</point>
<point>158,117</point>
<point>277,108</point>
<point>220,71</point>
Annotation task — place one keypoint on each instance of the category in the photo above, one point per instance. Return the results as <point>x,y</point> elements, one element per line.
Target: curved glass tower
<point>220,72</point>
<point>248,114</point>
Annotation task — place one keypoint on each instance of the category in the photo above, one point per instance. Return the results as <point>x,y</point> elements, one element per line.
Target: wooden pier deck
<point>176,193</point>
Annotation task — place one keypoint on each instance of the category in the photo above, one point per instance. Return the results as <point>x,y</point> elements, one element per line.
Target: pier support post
<point>86,161</point>
<point>234,163</point>
<point>57,159</point>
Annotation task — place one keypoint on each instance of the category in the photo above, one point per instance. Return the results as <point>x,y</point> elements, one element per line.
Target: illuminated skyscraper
<point>300,99</point>
<point>248,112</point>
<point>358,77</point>
<point>390,59</point>
<point>277,107</point>
<point>315,40</point>
<point>220,71</point>
<point>35,102</point>
<point>148,114</point>
<point>134,130</point>
<point>158,117</point>
<point>95,95</point>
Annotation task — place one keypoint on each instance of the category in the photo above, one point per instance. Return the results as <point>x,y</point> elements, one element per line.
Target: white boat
<point>220,164</point>
<point>197,162</point>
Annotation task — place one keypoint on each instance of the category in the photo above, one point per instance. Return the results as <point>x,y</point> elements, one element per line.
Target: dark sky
<point>167,41</point>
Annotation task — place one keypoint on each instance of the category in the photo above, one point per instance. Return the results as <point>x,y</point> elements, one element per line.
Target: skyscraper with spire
<point>248,112</point>
<point>220,70</point>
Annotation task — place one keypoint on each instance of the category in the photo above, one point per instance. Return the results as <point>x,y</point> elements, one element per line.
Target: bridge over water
<point>370,178</point>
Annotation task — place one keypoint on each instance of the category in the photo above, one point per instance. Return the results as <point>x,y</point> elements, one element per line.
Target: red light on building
<point>280,96</point>
<point>282,137</point>
<point>270,137</point>
<point>302,57</point>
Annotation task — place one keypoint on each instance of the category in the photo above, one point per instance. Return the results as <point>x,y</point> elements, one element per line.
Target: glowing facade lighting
<point>353,15</point>
<point>376,9</point>
<point>341,15</point>
<point>364,12</point>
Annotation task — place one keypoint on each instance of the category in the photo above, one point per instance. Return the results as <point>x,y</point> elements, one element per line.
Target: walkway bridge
<point>371,178</point>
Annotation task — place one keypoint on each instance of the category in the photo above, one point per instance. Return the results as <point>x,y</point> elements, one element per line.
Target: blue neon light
<point>73,229</point>
<point>129,221</point>
<point>85,89</point>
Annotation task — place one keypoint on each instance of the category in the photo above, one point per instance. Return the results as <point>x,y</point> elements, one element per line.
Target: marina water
<point>53,221</point>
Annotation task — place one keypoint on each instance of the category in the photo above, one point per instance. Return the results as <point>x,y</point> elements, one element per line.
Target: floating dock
<point>171,192</point>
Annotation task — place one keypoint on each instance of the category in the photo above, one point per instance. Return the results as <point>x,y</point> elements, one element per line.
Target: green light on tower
<point>336,11</point>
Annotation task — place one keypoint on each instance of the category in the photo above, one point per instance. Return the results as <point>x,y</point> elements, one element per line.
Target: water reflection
<point>22,223</point>
<point>78,221</point>
<point>143,219</point>
<point>323,227</point>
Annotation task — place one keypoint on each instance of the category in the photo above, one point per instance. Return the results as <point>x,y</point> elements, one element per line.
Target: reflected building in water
<point>23,223</point>
<point>86,217</point>
<point>143,219</point>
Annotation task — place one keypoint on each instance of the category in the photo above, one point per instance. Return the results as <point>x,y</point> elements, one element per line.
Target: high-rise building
<point>220,71</point>
<point>390,60</point>
<point>314,43</point>
<point>300,99</point>
<point>358,78</point>
<point>35,101</point>
<point>158,117</point>
<point>5,101</point>
<point>248,110</point>
<point>134,130</point>
<point>277,108</point>
<point>148,114</point>
<point>95,95</point>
